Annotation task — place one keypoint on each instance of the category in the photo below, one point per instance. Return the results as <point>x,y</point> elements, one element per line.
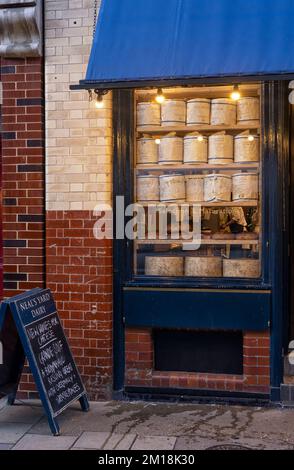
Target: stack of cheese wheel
<point>223,112</point>
<point>217,188</point>
<point>147,150</point>
<point>246,148</point>
<point>248,111</point>
<point>195,188</point>
<point>245,186</point>
<point>164,265</point>
<point>198,111</point>
<point>170,149</point>
<point>195,148</point>
<point>203,266</point>
<point>173,113</point>
<point>147,188</point>
<point>148,114</point>
<point>172,188</point>
<point>246,268</point>
<point>221,149</point>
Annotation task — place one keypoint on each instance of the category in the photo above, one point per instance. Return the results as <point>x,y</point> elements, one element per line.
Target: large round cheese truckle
<point>164,265</point>
<point>223,112</point>
<point>198,111</point>
<point>248,111</point>
<point>172,188</point>
<point>220,149</point>
<point>147,151</point>
<point>203,266</point>
<point>173,113</point>
<point>246,147</point>
<point>147,188</point>
<point>248,268</point>
<point>170,150</point>
<point>148,114</point>
<point>195,148</point>
<point>217,188</point>
<point>245,187</point>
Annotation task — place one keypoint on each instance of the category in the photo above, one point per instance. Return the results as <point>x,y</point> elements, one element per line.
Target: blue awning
<point>139,41</point>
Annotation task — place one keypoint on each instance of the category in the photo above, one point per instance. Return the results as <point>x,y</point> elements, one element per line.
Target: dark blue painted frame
<point>275,273</point>
<point>277,131</point>
<point>197,309</point>
<point>8,307</point>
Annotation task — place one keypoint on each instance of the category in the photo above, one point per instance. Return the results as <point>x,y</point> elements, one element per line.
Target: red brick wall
<point>79,268</point>
<point>79,273</point>
<point>23,202</point>
<point>23,174</point>
<point>256,360</point>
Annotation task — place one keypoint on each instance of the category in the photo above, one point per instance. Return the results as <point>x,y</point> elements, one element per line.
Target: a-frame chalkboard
<point>30,326</point>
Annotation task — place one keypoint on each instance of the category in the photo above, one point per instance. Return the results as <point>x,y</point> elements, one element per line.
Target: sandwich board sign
<point>30,327</point>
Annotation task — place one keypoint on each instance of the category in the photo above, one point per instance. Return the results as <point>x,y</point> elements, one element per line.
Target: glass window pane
<point>197,183</point>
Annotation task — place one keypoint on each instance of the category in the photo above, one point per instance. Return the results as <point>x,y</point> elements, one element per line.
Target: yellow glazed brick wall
<point>78,136</point>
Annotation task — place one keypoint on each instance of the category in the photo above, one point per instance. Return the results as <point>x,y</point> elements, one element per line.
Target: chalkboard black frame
<point>24,317</point>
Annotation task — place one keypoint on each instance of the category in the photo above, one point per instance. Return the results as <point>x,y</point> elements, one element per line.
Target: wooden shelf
<point>203,91</point>
<point>196,166</point>
<point>188,129</point>
<point>204,204</point>
<point>231,204</point>
<point>204,241</point>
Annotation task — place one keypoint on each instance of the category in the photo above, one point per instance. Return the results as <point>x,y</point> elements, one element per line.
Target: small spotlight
<point>236,95</point>
<point>160,96</point>
<point>251,138</point>
<point>157,141</point>
<point>200,138</point>
<point>99,103</point>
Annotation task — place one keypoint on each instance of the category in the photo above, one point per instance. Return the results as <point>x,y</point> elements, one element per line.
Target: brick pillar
<point>23,174</point>
<point>79,273</point>
<point>78,167</point>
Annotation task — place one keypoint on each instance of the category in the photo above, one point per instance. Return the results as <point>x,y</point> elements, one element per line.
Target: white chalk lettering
<point>38,311</point>
<point>67,394</point>
<point>35,302</point>
<point>27,304</point>
<point>54,377</point>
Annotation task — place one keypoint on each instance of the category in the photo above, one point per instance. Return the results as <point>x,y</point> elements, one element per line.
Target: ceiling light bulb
<point>200,138</point>
<point>251,138</point>
<point>159,97</point>
<point>157,141</point>
<point>236,95</point>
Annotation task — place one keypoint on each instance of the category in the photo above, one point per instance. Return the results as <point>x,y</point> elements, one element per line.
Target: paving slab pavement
<point>148,426</point>
<point>35,442</point>
<point>92,440</point>
<point>10,433</point>
<point>22,413</point>
<point>154,443</point>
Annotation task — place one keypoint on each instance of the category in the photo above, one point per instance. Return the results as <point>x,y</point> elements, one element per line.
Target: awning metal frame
<point>165,83</point>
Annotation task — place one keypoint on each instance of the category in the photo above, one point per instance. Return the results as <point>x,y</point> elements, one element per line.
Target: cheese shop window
<point>197,181</point>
